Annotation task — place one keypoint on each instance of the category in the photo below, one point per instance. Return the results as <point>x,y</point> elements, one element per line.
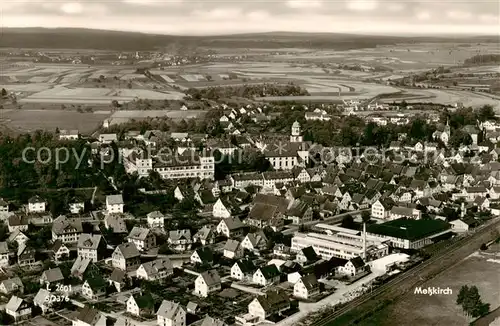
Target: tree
<point>471,302</point>
<point>4,92</point>
<point>366,216</point>
<point>348,221</point>
<point>485,113</point>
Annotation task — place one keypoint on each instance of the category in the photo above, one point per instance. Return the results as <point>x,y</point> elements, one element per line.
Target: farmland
<point>480,269</point>
<point>326,74</point>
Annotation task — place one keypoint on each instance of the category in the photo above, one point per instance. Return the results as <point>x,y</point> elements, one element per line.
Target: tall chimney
<point>364,241</point>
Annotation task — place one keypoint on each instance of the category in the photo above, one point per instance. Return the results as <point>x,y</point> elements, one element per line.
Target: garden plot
<point>35,87</point>
<point>167,79</point>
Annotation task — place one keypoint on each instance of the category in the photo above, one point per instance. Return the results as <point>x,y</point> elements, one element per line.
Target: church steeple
<point>447,129</point>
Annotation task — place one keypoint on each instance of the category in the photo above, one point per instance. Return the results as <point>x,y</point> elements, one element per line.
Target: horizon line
<point>2,28</point>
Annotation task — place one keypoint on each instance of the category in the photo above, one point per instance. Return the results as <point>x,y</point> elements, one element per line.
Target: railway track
<point>441,260</point>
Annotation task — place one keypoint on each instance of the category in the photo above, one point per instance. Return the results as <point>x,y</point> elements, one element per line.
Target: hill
<point>77,38</point>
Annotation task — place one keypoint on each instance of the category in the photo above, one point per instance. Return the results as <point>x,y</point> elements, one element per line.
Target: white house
<point>243,270</point>
<point>143,238</point>
<point>353,267</point>
<point>156,220</point>
<point>233,249</point>
<point>114,204</point>
<point>254,241</point>
<point>206,283</point>
<point>266,275</point>
<point>230,227</point>
<point>89,246</point>
<point>272,303</point>
<point>36,205</point>
<point>220,210</point>
<point>158,269</point>
<point>18,308</point>
<point>4,254</point>
<point>171,314</point>
<point>126,257</point>
<point>306,287</point>
<point>381,209</point>
<point>69,134</point>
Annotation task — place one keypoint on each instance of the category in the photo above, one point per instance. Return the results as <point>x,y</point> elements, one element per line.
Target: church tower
<point>296,136</point>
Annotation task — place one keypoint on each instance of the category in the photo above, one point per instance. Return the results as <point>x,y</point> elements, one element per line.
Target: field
<point>480,269</point>
<point>30,120</point>
<point>124,116</point>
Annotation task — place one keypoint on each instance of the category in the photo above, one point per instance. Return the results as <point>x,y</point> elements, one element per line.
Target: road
<point>441,260</point>
<point>330,220</point>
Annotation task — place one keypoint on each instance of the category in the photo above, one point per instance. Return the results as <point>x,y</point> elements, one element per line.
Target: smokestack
<point>364,240</point>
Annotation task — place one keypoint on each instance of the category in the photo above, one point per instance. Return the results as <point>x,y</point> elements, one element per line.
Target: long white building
<point>177,166</point>
<point>339,242</point>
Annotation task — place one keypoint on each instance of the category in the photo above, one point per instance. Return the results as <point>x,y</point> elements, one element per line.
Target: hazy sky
<point>239,16</point>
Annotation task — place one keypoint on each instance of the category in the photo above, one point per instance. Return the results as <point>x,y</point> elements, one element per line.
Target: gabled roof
<point>14,303</point>
<point>205,254</point>
<point>310,281</point>
<point>116,222</point>
<point>211,277</point>
<point>128,250</point>
<point>114,200</point>
<point>53,275</point>
<point>233,223</point>
<point>169,309</point>
<point>246,266</point>
<point>269,271</point>
<point>309,253</point>
<point>89,241</point>
<point>139,233</point>
<point>209,321</point>
<point>36,200</point>
<point>357,262</point>
<point>117,275</point>
<point>231,245</point>
<point>176,235</point>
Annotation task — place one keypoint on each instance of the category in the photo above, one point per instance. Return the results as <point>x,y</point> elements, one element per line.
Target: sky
<point>212,17</point>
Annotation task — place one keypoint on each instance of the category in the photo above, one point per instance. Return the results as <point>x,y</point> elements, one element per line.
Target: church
<point>444,135</point>
<point>284,155</point>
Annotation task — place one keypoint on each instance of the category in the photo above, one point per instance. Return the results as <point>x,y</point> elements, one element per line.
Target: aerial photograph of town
<point>244,163</point>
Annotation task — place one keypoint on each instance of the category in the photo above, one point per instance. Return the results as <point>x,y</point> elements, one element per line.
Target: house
<point>156,220</point>
<point>26,256</point>
<point>4,206</point>
<point>281,250</point>
<point>42,300</point>
<point>205,235</point>
<point>115,223</point>
<point>18,308</point>
<point>255,241</point>
<point>268,211</point>
<point>66,230</point>
<point>300,213</point>
<point>180,240</point>
<point>59,251</point>
<point>266,275</point>
<point>91,246</point>
<point>18,236</point>
<point>156,270</point>
<point>209,321</point>
<point>141,305</point>
<point>463,225</point>
<point>179,193</point>
<point>79,267</point>
<point>272,303</point>
<point>91,317</point>
<point>353,267</point>
<point>143,238</point>
<point>36,205</point>
<point>94,287</point>
<point>76,207</point>
<point>405,212</point>
<point>192,308</point>
<point>206,283</point>
<point>243,270</point>
<point>12,285</point>
<point>233,249</point>
<point>307,256</point>
<point>306,287</point>
<point>108,138</point>
<point>118,279</point>
<point>231,227</point>
<point>126,257</point>
<point>68,134</point>
<point>221,209</point>
<point>114,204</point>
<point>52,276</point>
<point>202,256</point>
<point>18,223</point>
<point>171,314</point>
<point>4,254</point>
<point>381,209</point>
